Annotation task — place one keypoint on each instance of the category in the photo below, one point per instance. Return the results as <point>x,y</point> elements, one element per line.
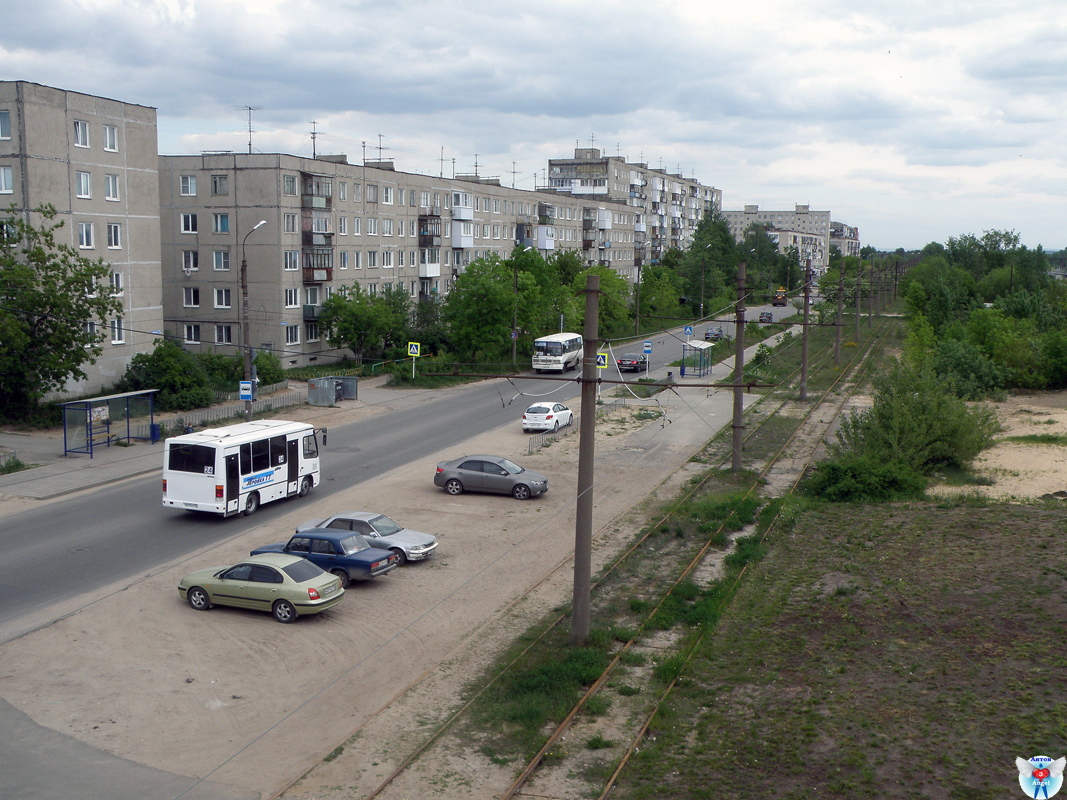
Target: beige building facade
<point>331,225</point>
<point>806,230</point>
<point>95,160</point>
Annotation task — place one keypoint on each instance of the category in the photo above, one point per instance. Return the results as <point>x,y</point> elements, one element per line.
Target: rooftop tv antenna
<point>250,109</point>
<point>314,135</point>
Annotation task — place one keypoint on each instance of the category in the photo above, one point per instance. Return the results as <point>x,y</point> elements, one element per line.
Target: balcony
<point>430,270</point>
<point>318,274</point>
<point>316,201</point>
<point>429,240</point>
<point>311,313</point>
<point>462,212</point>
<point>312,239</point>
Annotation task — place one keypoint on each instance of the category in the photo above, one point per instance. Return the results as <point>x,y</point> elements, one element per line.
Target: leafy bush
<point>179,377</point>
<point>857,478</point>
<point>269,368</point>
<point>969,372</point>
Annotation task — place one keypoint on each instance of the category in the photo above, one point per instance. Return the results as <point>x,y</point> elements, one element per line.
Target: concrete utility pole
<point>859,283</point>
<point>804,333</point>
<point>244,315</point>
<point>739,366</point>
<point>870,300</point>
<point>583,521</point>
<point>840,304</point>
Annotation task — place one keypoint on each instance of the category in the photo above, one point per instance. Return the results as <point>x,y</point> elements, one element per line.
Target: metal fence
<point>541,439</point>
<point>178,424</point>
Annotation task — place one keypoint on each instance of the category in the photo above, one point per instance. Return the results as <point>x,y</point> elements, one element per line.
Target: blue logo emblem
<point>1041,776</point>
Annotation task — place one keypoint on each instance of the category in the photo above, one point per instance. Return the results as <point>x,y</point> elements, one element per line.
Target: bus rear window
<point>191,458</point>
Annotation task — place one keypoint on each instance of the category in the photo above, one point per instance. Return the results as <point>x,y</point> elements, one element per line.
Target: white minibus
<point>558,352</point>
<point>236,468</point>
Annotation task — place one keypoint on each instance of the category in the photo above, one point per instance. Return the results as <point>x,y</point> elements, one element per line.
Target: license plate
<point>329,589</point>
<point>189,505</point>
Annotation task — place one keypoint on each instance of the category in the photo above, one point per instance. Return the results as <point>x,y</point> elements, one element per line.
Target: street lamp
<point>244,316</point>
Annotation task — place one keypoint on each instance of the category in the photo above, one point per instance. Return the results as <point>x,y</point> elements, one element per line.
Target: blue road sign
<point>601,360</point>
<point>688,330</point>
<point>648,347</point>
<point>246,390</point>
<point>413,349</point>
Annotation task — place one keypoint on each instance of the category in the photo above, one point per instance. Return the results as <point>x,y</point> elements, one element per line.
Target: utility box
<point>325,391</point>
<point>349,385</point>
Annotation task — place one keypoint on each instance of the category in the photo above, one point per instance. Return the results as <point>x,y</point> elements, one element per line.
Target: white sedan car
<point>546,417</point>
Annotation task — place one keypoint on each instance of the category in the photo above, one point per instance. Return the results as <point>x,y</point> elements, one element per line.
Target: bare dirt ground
<point>236,698</point>
<point>233,696</point>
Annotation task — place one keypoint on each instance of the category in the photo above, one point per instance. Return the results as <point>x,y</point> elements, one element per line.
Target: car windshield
<point>302,571</point>
<point>549,348</point>
<point>353,544</point>
<point>511,466</point>
<point>537,410</point>
<point>385,526</point>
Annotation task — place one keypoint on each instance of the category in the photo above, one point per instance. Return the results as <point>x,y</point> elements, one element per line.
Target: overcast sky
<point>914,120</point>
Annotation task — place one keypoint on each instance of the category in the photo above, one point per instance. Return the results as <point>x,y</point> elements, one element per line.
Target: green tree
<point>479,310</point>
<point>56,305</point>
<point>613,306</point>
<point>180,378</point>
<point>354,319</point>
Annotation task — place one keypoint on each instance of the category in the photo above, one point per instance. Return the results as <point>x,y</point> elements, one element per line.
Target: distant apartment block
<point>668,205</point>
<point>806,230</point>
<point>845,238</point>
<point>331,225</point>
<point>95,160</point>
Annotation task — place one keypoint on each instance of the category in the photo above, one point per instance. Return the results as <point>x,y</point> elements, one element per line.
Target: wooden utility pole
<point>583,521</point>
<point>739,366</point>
<point>804,333</point>
<point>840,305</point>
<point>859,283</point>
<point>870,300</point>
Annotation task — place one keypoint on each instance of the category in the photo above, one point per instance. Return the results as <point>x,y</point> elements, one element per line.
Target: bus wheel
<point>251,504</point>
<point>305,486</point>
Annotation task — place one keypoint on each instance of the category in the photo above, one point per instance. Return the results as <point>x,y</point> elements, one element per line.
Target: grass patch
<point>12,465</point>
<point>1038,438</point>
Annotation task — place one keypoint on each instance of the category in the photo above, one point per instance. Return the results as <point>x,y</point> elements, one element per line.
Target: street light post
<point>244,316</point>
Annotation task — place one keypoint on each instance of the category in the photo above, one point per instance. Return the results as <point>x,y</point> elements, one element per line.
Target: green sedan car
<point>287,586</point>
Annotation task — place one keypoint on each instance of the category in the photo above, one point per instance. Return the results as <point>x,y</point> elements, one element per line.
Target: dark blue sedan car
<point>343,553</point>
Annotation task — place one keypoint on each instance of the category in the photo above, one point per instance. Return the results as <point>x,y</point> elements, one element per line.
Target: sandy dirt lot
<point>233,696</point>
<point>236,698</point>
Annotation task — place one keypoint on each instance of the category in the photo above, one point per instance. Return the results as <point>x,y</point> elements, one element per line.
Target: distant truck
<point>779,298</point>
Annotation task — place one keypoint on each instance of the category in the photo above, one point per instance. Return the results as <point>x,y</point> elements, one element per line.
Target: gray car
<point>489,474</point>
<point>380,532</point>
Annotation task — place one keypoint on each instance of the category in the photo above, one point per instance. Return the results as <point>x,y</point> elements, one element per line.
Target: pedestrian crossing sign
<point>413,349</point>
<point>601,360</point>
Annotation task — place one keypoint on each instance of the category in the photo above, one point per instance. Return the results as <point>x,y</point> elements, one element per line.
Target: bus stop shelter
<point>696,358</point>
<point>103,421</point>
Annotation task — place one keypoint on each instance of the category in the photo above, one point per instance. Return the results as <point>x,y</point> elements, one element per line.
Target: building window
<point>357,260</point>
<point>400,197</point>
<point>221,260</point>
<point>111,187</point>
<point>292,334</point>
<point>387,227</point>
<point>357,192</point>
<point>90,329</point>
<point>81,133</point>
<point>114,236</point>
<point>188,188</point>
<point>311,295</point>
<point>320,224</point>
<point>342,190</point>
<point>372,193</point>
<point>289,185</point>
<point>289,223</point>
<point>7,185</point>
<point>221,223</point>
<point>372,226</point>
<point>372,259</point>
<point>192,334</point>
<point>118,331</point>
<point>372,289</point>
<point>292,259</point>
<point>83,184</point>
<point>111,138</point>
<point>220,185</point>
<point>400,258</point>
<point>191,298</point>
<point>188,223</point>
<point>222,298</point>
<point>387,259</point>
<point>342,226</point>
<point>190,260</point>
<point>312,331</point>
<point>223,334</point>
<point>85,235</point>
<point>5,124</point>
<point>387,195</point>
<point>356,226</point>
<point>344,259</point>
<point>116,283</point>
<point>292,298</point>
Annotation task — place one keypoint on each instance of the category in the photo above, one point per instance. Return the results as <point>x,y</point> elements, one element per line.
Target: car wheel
<point>521,492</point>
<point>251,504</point>
<point>453,487</point>
<point>401,559</point>
<point>198,599</point>
<point>283,611</point>
<point>305,486</point>
<point>555,426</point>
<point>343,575</point>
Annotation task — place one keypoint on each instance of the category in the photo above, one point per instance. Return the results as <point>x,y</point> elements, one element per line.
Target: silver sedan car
<point>380,532</point>
<point>489,474</point>
<point>546,417</point>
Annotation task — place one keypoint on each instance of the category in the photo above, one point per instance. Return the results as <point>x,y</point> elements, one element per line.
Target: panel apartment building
<point>95,160</point>
<point>806,230</point>
<point>331,224</point>
<point>668,205</point>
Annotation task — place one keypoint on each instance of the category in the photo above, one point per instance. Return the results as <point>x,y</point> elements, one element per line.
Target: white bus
<point>558,352</point>
<point>236,468</point>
